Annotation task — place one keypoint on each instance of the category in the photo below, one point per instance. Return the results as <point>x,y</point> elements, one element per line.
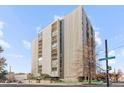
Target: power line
<point>121,46</point>
<point>100,68</point>
<point>118,47</point>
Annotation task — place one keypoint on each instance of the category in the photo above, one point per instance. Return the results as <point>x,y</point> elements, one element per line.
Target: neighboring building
<point>62,48</point>
<point>35,56</point>
<point>14,77</point>
<point>20,77</point>
<point>10,76</point>
<point>121,79</point>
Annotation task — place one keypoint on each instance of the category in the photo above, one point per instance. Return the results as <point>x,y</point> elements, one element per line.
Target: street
<point>62,85</point>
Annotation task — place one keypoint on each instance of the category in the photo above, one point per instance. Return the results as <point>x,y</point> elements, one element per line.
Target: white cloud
<point>97,39</point>
<point>112,61</point>
<point>4,44</point>
<point>26,44</point>
<point>111,53</point>
<point>1,34</point>
<point>15,55</point>
<point>57,17</point>
<point>2,24</point>
<point>96,28</point>
<point>121,53</point>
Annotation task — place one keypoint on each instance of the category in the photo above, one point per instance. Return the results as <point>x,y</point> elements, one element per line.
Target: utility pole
<point>107,67</point>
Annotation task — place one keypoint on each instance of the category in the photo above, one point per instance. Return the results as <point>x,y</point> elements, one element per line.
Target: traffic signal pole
<point>107,67</point>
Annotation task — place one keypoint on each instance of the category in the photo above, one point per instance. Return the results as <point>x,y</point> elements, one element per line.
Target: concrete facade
<point>35,57</point>
<point>73,45</point>
<point>63,47</point>
<point>46,58</point>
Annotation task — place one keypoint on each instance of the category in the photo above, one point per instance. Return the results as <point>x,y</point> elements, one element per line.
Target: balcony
<point>54,45</point>
<point>54,37</point>
<point>40,68</point>
<point>39,40</point>
<point>54,26</point>
<point>54,50</point>
<point>39,43</point>
<point>53,42</point>
<point>40,48</point>
<point>54,63</point>
<point>39,56</point>
<point>54,33</point>
<point>54,68</point>
<point>54,58</point>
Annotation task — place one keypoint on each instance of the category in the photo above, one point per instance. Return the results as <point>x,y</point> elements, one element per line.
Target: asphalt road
<point>39,85</point>
<point>117,85</point>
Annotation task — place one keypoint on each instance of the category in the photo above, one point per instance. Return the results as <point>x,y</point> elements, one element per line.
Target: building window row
<point>54,68</point>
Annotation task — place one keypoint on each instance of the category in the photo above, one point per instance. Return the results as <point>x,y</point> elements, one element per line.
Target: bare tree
<point>119,74</point>
<point>85,59</point>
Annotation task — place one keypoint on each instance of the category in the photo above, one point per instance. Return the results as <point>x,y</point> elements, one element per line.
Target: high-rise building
<point>66,48</point>
<point>35,57</point>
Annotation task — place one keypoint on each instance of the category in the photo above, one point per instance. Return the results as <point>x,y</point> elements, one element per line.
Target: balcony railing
<point>54,33</point>
<point>54,45</point>
<point>54,57</point>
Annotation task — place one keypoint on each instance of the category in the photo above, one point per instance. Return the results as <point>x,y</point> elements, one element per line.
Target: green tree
<point>30,77</point>
<point>3,65</point>
<point>43,77</point>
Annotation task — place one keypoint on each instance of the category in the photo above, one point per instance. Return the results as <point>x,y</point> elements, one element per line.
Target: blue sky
<point>20,24</point>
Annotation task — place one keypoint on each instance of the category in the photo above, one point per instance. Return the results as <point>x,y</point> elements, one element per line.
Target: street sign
<point>102,59</point>
<point>109,68</point>
<point>113,57</point>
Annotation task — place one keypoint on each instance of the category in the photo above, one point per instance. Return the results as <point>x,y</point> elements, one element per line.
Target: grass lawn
<point>93,82</point>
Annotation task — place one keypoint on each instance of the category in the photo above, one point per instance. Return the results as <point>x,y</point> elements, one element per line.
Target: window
<point>87,34</point>
<point>54,38</point>
<point>91,31</point>
<point>54,58</point>
<point>54,68</point>
<point>39,68</point>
